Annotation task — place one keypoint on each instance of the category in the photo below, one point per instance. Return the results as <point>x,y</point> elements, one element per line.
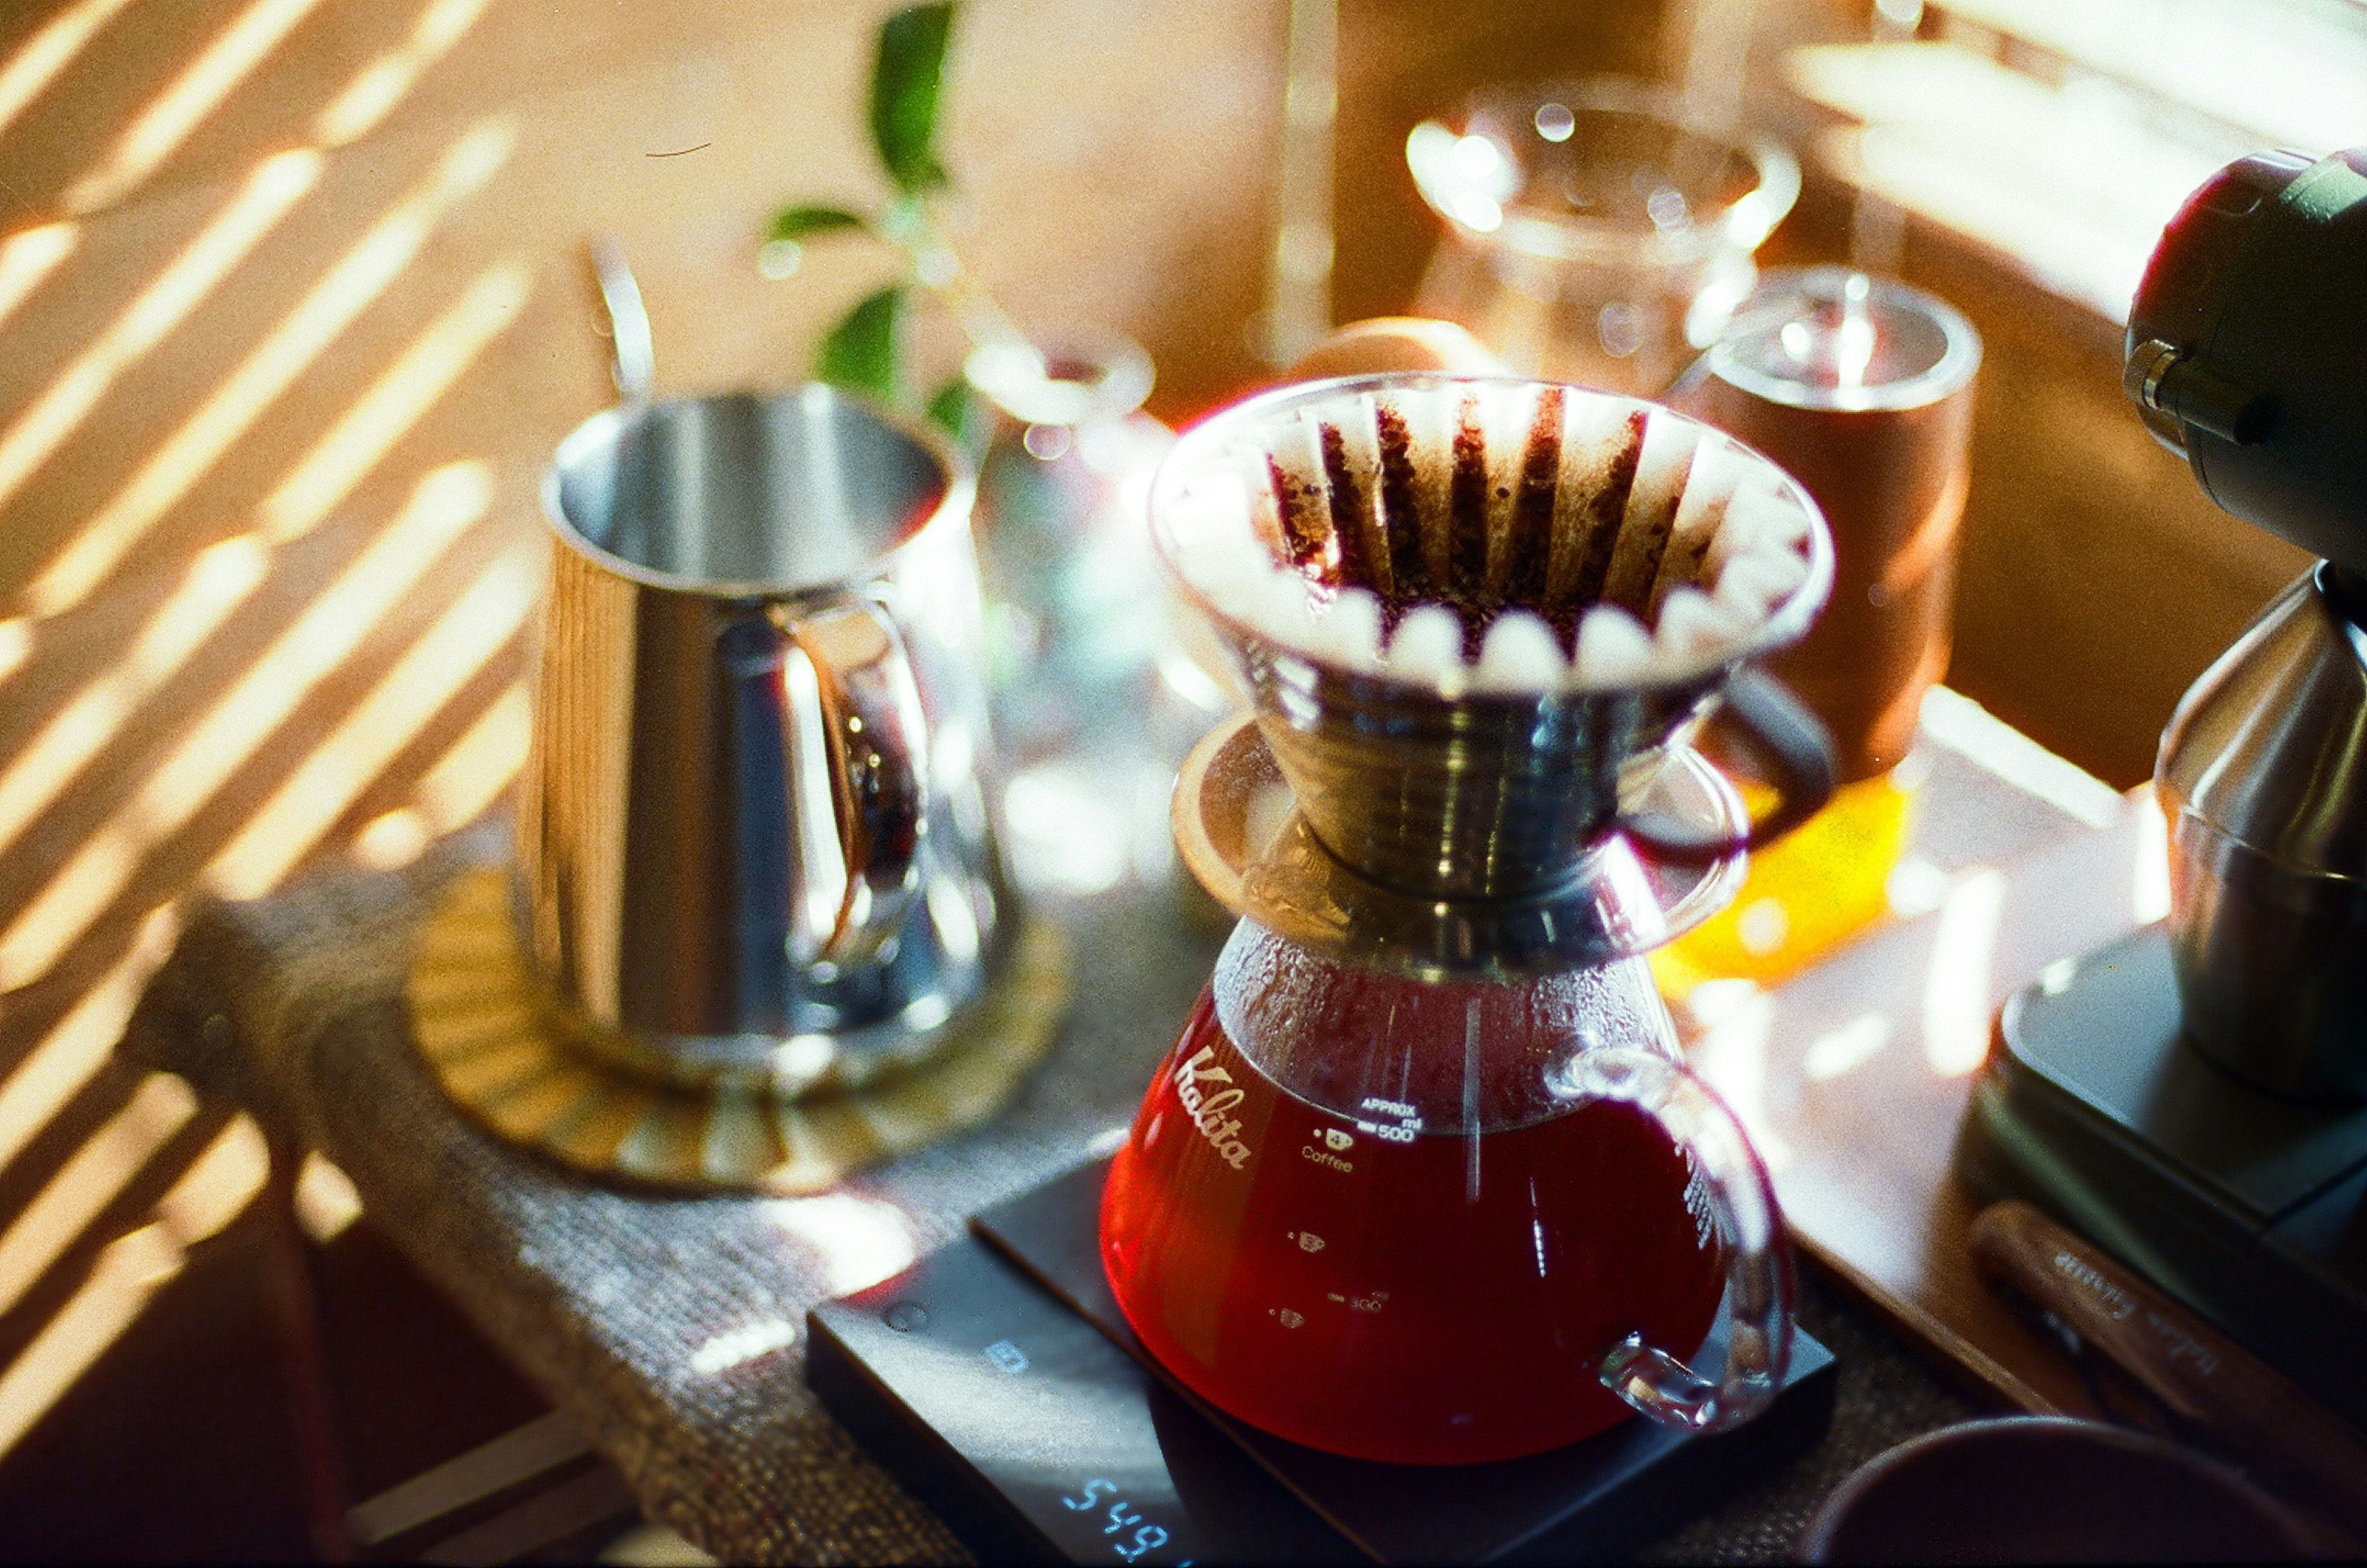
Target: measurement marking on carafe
<point>1326,1146</point>
<point>1307,1241</point>
<point>1308,1151</point>
<point>1471,1099</point>
<point>1371,1303</point>
<point>1290,1319</point>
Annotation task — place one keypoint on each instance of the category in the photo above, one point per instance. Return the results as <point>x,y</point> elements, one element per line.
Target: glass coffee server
<point>1424,1179</point>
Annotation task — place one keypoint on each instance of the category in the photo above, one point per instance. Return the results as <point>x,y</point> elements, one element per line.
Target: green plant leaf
<point>804,222</point>
<point>904,83</point>
<point>860,354</point>
<point>961,414</point>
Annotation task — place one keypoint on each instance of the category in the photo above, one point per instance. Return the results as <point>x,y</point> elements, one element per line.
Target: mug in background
<point>753,845</point>
<point>1861,389</point>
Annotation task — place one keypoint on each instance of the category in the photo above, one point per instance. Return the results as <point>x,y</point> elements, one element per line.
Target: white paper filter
<point>1665,545</point>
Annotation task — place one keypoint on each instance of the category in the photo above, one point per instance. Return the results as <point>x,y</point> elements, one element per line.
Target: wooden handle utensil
<point>2256,1413</point>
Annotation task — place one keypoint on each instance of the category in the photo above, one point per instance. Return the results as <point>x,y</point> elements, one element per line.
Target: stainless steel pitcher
<point>753,843</point>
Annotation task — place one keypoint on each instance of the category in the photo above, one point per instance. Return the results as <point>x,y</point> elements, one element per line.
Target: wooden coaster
<point>515,1062</point>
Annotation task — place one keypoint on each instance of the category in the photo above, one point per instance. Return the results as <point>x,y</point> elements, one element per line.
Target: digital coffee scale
<point>999,1382</point>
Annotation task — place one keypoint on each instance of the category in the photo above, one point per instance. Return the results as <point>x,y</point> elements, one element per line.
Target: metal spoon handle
<point>635,365</point>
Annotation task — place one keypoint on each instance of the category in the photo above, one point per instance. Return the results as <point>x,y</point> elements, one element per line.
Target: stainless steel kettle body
<point>2263,775</point>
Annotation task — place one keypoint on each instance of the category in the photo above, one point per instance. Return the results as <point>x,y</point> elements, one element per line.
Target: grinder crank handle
<point>1748,1230</point>
<point>1792,748</point>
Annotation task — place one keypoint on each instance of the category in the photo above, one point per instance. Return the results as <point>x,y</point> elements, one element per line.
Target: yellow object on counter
<point>1806,896</point>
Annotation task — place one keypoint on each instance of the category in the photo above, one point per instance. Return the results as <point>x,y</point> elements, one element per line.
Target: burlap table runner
<point>672,1328</point>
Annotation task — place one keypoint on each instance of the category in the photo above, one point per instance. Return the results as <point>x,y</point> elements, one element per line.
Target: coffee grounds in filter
<point>1523,570</point>
<point>1517,516</point>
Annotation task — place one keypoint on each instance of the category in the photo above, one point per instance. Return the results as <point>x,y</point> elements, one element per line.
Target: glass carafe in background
<point>1424,1180</point>
<point>1075,620</point>
<point>1590,234</point>
<point>1096,699</point>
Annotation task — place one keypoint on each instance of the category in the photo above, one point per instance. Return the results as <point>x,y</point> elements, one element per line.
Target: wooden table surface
<point>1854,1076</point>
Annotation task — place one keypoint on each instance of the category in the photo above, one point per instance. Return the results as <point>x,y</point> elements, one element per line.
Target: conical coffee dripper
<point>1479,620</point>
<point>1424,1179</point>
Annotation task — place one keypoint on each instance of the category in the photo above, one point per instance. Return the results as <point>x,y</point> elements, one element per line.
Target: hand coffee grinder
<point>2195,1097</point>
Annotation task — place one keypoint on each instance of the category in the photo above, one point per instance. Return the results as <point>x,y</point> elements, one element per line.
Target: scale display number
<point>1122,1515</point>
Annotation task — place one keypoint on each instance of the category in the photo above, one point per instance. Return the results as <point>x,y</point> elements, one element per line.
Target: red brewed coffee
<point>1365,1286</point>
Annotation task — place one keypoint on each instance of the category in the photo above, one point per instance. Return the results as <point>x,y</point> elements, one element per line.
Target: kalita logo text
<point>1208,1110</point>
